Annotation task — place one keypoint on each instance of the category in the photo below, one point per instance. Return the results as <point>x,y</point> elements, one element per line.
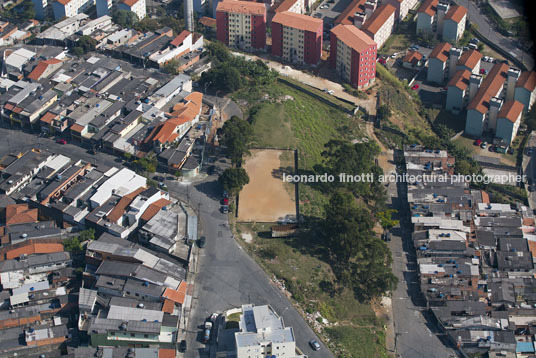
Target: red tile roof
<point>77,128</point>
<point>460,79</point>
<point>64,2</point>
<point>353,37</point>
<point>48,117</point>
<point>347,16</point>
<point>298,21</point>
<point>441,51</point>
<point>154,208</point>
<point>31,249</point>
<point>177,295</point>
<point>207,21</point>
<point>378,18</point>
<point>511,110</point>
<point>125,201</point>
<point>129,3</point>
<point>177,41</point>
<point>9,106</point>
<point>284,5</point>
<point>20,214</point>
<point>491,85</point>
<point>241,7</point>
<point>485,197</point>
<point>469,59</point>
<point>166,353</point>
<point>412,57</point>
<point>168,306</point>
<point>17,110</point>
<point>527,80</point>
<point>528,221</point>
<point>456,13</point>
<point>428,7</point>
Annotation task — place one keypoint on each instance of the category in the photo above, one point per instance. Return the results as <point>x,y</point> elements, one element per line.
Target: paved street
<point>484,27</point>
<point>228,276</point>
<point>415,335</point>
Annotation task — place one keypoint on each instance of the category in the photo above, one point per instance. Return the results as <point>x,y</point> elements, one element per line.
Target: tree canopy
<point>233,179</point>
<point>235,136</point>
<point>125,18</point>
<point>386,219</point>
<point>74,244</point>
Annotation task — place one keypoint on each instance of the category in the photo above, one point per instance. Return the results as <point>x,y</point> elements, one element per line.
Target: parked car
<point>225,201</point>
<point>484,145</point>
<point>202,242</point>
<point>530,151</point>
<point>61,141</point>
<point>477,142</point>
<point>206,333</point>
<point>182,346</point>
<point>382,61</point>
<point>225,209</point>
<point>415,87</point>
<point>314,344</point>
<point>483,71</point>
<point>486,58</point>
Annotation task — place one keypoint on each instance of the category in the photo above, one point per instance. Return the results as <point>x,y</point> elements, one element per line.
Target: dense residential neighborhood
<point>286,178</point>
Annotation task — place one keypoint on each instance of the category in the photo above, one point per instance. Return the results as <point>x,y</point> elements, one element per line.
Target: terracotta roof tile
<point>207,21</point>
<point>9,106</point>
<point>347,16</point>
<point>532,247</point>
<point>77,128</point>
<point>166,353</point>
<point>64,2</point>
<point>511,110</point>
<point>378,18</point>
<point>154,208</point>
<point>441,51</point>
<point>31,249</point>
<point>456,13</point>
<point>38,71</point>
<point>469,59</point>
<point>412,57</point>
<point>20,214</point>
<point>196,97</point>
<point>284,5</point>
<point>125,201</point>
<point>528,221</point>
<point>460,79</point>
<point>129,3</point>
<point>241,7</point>
<point>527,80</point>
<point>168,306</point>
<point>178,295</point>
<point>485,197</point>
<point>428,7</point>
<point>353,37</point>
<point>48,117</point>
<point>180,38</point>
<point>491,85</point>
<point>298,21</point>
<point>17,110</point>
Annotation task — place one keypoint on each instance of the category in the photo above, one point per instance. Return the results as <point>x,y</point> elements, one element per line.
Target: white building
<point>17,59</point>
<point>525,90</point>
<point>262,333</point>
<point>122,183</point>
<point>70,8</point>
<point>381,24</point>
<point>136,6</point>
<point>402,7</point>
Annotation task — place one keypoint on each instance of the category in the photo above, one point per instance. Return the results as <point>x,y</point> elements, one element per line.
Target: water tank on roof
<point>24,235</point>
<point>140,305</point>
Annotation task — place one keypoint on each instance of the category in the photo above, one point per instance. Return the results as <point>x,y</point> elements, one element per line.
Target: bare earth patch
<point>265,198</point>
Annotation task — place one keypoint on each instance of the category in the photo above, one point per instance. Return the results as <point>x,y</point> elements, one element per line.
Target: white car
<point>491,59</point>
<point>486,58</point>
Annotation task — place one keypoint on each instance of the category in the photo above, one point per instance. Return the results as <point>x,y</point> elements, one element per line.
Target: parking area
<point>328,10</point>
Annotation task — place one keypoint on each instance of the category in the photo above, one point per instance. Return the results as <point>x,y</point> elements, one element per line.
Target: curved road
<point>485,28</point>
<point>228,277</point>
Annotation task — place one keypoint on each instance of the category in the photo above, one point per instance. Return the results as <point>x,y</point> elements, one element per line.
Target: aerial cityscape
<point>267,178</point>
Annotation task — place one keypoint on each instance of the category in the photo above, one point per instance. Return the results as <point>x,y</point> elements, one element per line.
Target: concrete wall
<point>436,71</point>
<point>474,124</point>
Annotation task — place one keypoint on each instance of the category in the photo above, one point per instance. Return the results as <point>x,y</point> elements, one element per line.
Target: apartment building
<point>353,55</point>
<point>402,7</point>
<point>297,38</point>
<point>70,8</point>
<point>381,24</point>
<point>136,6</point>
<point>438,63</point>
<point>241,24</point>
<point>454,23</point>
<point>426,15</point>
<point>508,121</point>
<point>41,9</point>
<point>457,91</point>
<point>525,90</point>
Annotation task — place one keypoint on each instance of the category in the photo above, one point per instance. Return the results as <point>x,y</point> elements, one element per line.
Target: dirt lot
<point>265,198</point>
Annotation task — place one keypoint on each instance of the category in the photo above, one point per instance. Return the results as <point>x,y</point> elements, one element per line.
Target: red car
<point>225,201</point>
<point>483,71</point>
<point>61,141</point>
<point>477,142</point>
<point>382,61</point>
<point>415,87</point>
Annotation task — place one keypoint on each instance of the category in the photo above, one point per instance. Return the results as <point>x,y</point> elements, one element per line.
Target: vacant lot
<point>265,198</point>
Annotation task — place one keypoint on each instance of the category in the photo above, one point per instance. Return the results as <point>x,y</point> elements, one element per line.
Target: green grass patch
<point>359,333</point>
<point>456,123</point>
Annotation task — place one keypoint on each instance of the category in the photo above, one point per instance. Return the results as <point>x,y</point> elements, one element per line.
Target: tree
<point>218,51</point>
<point>74,244</point>
<point>235,136</point>
<point>84,45</point>
<point>384,112</point>
<point>172,67</point>
<point>233,179</point>
<point>78,51</point>
<point>146,164</point>
<point>386,219</point>
<point>125,18</point>
<point>346,226</point>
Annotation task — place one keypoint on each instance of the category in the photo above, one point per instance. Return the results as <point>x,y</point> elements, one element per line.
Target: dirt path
<point>265,198</point>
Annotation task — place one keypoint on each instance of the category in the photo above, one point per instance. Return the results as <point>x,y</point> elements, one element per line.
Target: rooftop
<point>378,18</point>
<point>353,37</point>
<point>511,110</point>
<point>298,21</point>
<point>241,7</point>
<point>441,51</point>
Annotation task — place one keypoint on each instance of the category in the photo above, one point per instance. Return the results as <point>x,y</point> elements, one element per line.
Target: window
<point>145,336</point>
<point>112,333</point>
<point>132,335</point>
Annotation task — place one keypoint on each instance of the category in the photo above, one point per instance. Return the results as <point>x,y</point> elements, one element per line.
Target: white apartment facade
<point>293,44</point>
<point>70,8</point>
<point>136,6</point>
